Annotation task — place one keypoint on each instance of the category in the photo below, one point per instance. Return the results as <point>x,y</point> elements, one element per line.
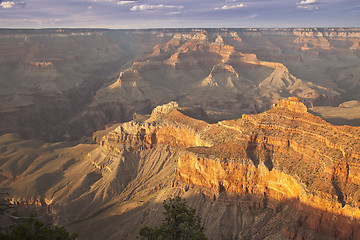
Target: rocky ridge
<point>270,155</point>
<point>284,164</point>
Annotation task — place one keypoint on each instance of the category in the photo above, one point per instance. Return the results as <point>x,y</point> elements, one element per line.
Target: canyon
<point>70,83</point>
<point>258,129</point>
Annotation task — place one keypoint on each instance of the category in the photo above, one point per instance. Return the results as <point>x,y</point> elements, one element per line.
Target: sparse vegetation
<point>181,222</point>
<point>33,229</point>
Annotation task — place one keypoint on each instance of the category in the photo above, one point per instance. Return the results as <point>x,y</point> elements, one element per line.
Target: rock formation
<point>236,36</point>
<point>285,162</point>
<point>319,38</point>
<point>62,67</point>
<point>221,75</point>
<point>286,154</point>
<point>199,68</point>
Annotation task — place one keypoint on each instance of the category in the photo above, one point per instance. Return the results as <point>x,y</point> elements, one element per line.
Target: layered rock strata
<point>284,154</point>
<point>284,173</point>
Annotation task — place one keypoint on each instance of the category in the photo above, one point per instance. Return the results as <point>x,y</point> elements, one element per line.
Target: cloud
<point>227,7</point>
<point>304,2</point>
<point>308,5</point>
<point>311,7</point>
<point>9,4</point>
<point>39,21</point>
<point>125,2</point>
<point>145,7</point>
<point>252,16</point>
<point>174,13</point>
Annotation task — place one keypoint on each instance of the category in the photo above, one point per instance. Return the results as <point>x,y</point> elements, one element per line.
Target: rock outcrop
<point>312,39</point>
<point>221,75</point>
<point>197,69</point>
<point>236,36</point>
<point>284,164</point>
<point>284,154</point>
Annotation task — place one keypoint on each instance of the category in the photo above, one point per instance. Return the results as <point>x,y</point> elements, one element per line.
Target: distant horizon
<point>174,28</point>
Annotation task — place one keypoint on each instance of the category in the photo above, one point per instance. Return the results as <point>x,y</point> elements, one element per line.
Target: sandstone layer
<point>284,154</point>
<point>284,173</point>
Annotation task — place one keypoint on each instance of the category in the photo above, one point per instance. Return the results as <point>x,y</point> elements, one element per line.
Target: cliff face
<point>263,143</point>
<point>284,154</point>
<point>284,173</point>
<point>322,38</point>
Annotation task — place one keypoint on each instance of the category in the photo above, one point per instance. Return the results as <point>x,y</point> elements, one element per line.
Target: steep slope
<point>280,174</point>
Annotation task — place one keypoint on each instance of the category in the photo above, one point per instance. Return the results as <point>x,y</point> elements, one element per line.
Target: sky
<point>134,14</point>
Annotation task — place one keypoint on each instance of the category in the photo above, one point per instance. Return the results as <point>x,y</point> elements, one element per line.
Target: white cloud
<point>145,7</point>
<point>305,2</point>
<point>227,7</point>
<point>308,5</point>
<point>125,2</point>
<point>9,4</point>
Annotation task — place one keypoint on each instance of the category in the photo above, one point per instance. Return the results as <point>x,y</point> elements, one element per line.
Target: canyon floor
<point>258,129</point>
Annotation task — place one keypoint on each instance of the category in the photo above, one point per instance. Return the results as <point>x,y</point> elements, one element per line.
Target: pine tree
<point>181,223</point>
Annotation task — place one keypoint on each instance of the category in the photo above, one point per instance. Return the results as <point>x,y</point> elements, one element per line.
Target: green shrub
<point>181,223</point>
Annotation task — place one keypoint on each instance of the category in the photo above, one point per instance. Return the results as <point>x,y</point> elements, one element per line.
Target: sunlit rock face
<point>284,154</point>
<point>284,164</point>
<point>326,38</point>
